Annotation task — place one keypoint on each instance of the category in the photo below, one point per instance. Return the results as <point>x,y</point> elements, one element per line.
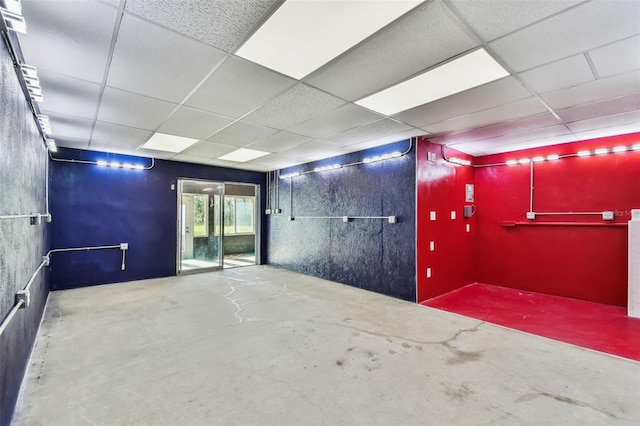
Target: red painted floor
<point>603,328</point>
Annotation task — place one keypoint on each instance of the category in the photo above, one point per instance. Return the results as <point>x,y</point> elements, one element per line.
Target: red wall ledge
<point>513,224</point>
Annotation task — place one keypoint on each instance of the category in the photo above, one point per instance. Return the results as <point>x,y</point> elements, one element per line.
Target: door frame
<point>258,224</point>
<point>179,196</point>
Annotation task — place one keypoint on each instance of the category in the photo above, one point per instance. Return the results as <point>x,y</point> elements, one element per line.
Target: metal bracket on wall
<point>347,219</point>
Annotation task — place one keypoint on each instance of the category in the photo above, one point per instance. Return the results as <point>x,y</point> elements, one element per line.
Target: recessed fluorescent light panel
<point>243,154</point>
<point>464,73</point>
<point>303,35</point>
<point>169,143</point>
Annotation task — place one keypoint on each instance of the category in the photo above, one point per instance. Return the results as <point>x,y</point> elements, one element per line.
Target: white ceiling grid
<point>574,65</point>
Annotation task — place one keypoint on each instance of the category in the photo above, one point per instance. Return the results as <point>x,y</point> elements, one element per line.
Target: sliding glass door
<point>216,225</point>
<point>200,234</point>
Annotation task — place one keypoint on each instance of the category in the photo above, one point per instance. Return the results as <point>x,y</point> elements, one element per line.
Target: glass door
<point>199,225</point>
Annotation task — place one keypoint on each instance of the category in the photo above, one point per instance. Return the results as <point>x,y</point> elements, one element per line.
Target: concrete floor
<point>263,346</point>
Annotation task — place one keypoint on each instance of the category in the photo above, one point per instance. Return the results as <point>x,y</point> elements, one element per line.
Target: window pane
<point>244,215</point>
<point>229,215</point>
<point>200,215</point>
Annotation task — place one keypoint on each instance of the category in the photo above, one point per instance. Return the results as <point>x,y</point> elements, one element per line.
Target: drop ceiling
<point>113,73</point>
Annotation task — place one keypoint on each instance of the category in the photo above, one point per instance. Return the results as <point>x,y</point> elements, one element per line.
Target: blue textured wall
<point>22,191</point>
<point>94,206</point>
<point>367,253</point>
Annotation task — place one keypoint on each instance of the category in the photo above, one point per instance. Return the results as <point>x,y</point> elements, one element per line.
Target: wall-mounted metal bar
<point>45,262</point>
<point>345,217</point>
<point>84,248</point>
<point>18,216</point>
<point>23,296</point>
<point>45,216</point>
<point>12,313</point>
<point>567,213</point>
<point>579,224</point>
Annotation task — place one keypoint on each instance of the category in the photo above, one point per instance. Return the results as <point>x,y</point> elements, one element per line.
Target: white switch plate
<point>453,215</point>
<point>428,272</point>
<point>432,215</point>
<point>468,228</point>
<point>432,245</point>
<point>469,192</point>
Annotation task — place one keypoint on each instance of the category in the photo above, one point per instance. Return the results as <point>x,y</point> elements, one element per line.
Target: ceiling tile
<point>185,158</point>
<point>208,150</point>
<point>594,91</point>
<point>251,166</point>
<point>531,122</point>
<point>241,134</point>
<point>132,110</point>
<point>561,74</point>
<point>480,98</point>
<point>69,96</point>
<point>368,132</point>
<point>335,121</point>
<point>530,135</point>
<point>621,129</point>
<point>601,108</point>
<point>223,163</point>
<point>576,30</point>
<point>65,126</point>
<point>219,23</point>
<point>113,135</point>
<point>606,122</point>
<point>68,37</point>
<point>152,153</point>
<point>294,106</point>
<point>494,18</point>
<point>617,58</point>
<point>278,142</point>
<point>541,137</point>
<point>71,143</point>
<point>274,162</point>
<point>533,143</point>
<point>426,37</point>
<point>499,114</point>
<point>316,147</point>
<point>152,61</point>
<point>237,87</point>
<point>192,123</point>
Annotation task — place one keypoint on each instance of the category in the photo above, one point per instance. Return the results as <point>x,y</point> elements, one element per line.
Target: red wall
<point>441,188</point>
<point>586,262</point>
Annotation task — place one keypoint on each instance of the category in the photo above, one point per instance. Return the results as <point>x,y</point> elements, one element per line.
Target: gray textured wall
<point>367,253</point>
<point>22,190</point>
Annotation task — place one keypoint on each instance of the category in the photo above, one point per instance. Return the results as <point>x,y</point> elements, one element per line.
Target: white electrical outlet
<point>607,215</point>
<point>124,246</point>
